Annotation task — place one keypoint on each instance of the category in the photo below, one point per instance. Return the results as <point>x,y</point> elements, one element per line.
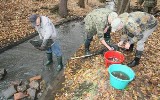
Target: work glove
<point>38,44</point>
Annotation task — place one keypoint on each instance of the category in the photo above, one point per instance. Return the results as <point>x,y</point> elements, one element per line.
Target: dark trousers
<point>106,37</point>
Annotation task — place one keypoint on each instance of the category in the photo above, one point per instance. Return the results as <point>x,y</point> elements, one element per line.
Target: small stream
<point>24,61</point>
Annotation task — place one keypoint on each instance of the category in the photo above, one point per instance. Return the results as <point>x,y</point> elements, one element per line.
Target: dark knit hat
<point>33,18</point>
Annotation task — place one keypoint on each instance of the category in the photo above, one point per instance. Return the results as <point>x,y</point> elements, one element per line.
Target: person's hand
<point>120,44</point>
<point>127,45</point>
<point>111,48</point>
<point>105,30</point>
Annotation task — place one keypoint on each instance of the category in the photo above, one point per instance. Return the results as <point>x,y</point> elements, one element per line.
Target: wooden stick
<point>82,56</point>
<point>95,53</point>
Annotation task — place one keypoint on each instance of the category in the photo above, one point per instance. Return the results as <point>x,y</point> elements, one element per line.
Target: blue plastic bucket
<point>117,82</point>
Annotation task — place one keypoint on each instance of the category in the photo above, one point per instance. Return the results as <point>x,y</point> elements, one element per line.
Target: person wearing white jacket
<point>47,34</point>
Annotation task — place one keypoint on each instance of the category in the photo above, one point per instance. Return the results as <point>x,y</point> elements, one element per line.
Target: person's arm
<point>124,37</point>
<point>40,36</point>
<point>134,32</point>
<point>137,35</point>
<point>100,35</point>
<point>106,45</point>
<point>48,32</point>
<point>106,29</point>
<point>37,30</point>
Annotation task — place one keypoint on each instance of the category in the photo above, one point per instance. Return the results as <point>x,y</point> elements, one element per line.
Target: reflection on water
<point>120,74</point>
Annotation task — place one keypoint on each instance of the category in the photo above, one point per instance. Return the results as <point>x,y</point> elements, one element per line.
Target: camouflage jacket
<point>135,24</point>
<point>148,3</point>
<point>96,21</point>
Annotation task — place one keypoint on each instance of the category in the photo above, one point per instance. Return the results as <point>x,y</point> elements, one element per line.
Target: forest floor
<point>84,78</point>
<point>14,16</point>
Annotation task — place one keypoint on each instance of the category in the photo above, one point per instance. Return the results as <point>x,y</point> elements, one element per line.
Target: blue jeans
<point>55,49</point>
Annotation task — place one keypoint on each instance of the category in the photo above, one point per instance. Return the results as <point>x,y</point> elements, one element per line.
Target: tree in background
<point>102,1</point>
<point>123,6</point>
<point>81,3</point>
<point>63,11</point>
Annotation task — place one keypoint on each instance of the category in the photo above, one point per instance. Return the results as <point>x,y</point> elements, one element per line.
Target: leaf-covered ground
<point>14,24</point>
<point>85,78</point>
<point>88,79</point>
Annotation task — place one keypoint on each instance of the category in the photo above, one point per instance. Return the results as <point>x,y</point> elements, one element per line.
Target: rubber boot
<point>60,64</point>
<point>49,58</point>
<point>87,44</point>
<point>136,59</point>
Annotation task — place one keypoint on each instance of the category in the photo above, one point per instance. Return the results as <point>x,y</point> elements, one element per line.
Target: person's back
<point>96,21</point>
<point>146,19</point>
<point>101,12</point>
<point>98,16</point>
<point>141,19</point>
<point>99,22</point>
<point>46,29</point>
<point>137,27</point>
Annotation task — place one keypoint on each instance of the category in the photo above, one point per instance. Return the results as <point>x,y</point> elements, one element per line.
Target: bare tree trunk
<point>63,11</point>
<point>127,9</point>
<point>81,3</point>
<point>123,6</point>
<point>86,1</point>
<point>102,1</point>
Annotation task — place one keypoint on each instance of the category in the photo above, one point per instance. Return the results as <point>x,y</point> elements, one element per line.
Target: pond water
<point>120,75</point>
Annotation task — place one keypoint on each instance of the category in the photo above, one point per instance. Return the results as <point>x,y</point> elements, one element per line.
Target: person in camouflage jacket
<point>137,27</point>
<point>99,22</point>
<point>147,4</point>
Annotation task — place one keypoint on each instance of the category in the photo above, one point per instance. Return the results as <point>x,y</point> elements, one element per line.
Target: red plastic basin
<point>113,57</point>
